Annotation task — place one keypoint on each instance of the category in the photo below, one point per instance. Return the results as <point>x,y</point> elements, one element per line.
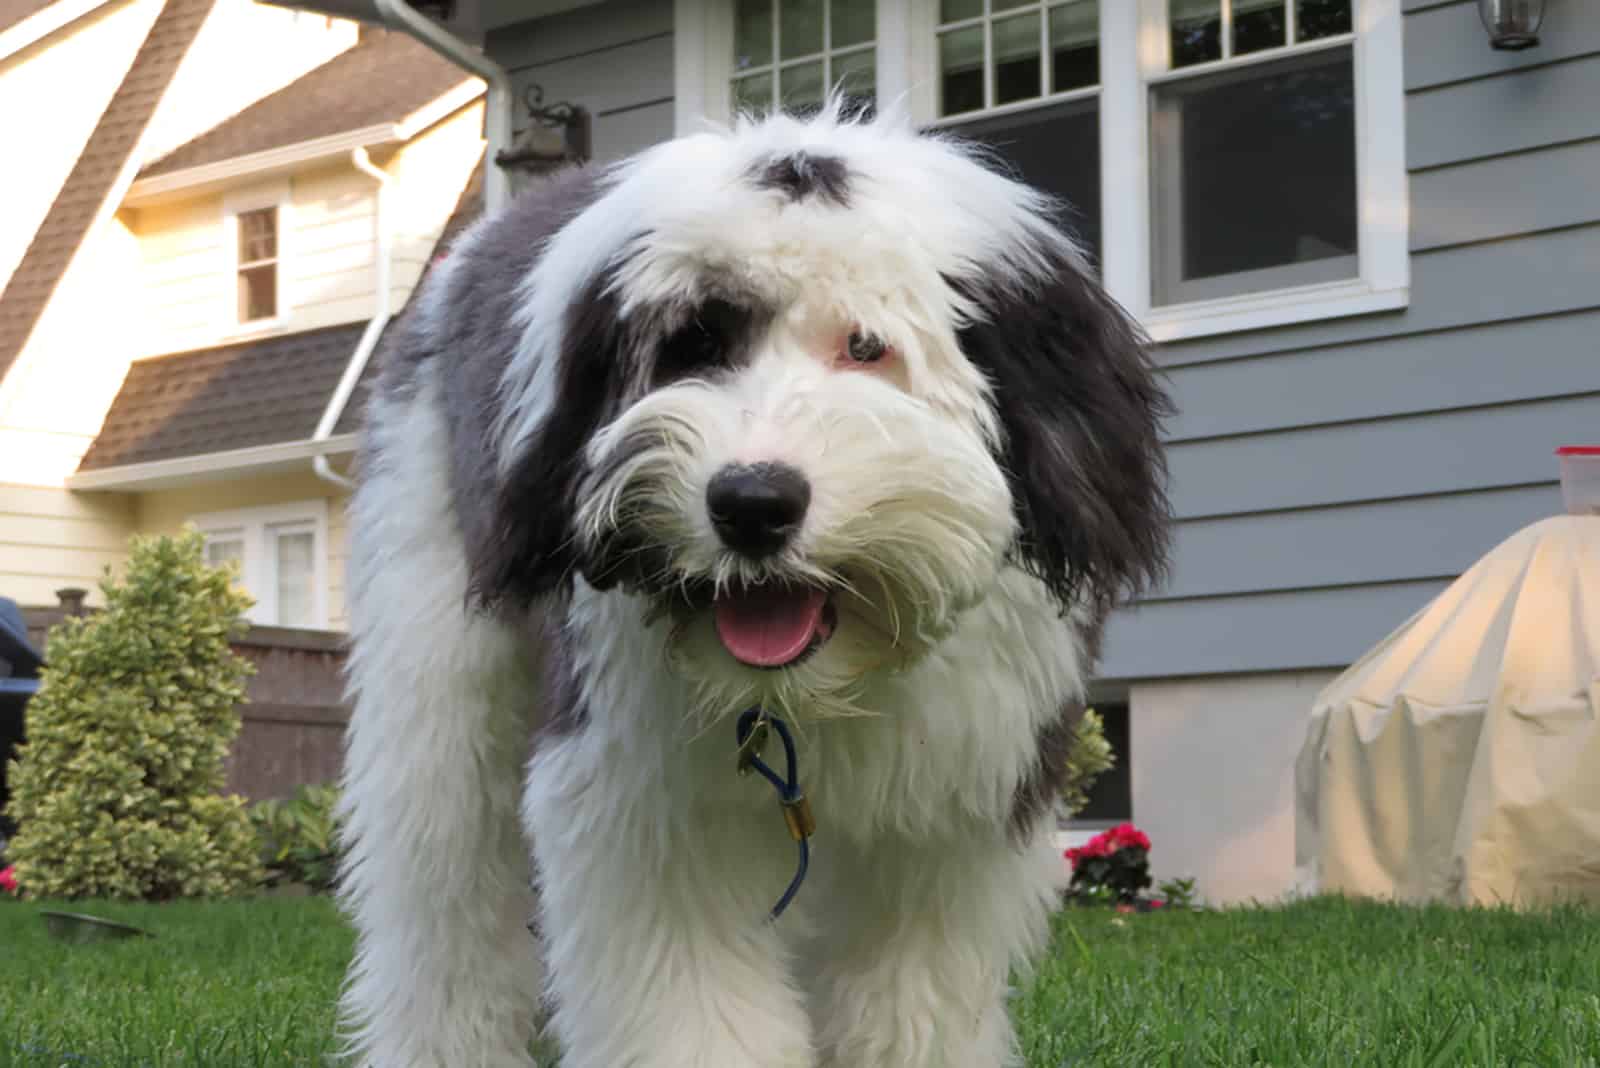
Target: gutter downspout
<point>497,103</point>
<point>375,326</point>
<point>399,15</point>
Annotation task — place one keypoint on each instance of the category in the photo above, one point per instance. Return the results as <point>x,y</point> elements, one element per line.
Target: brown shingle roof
<point>384,78</point>
<point>96,170</point>
<point>232,397</point>
<point>14,11</point>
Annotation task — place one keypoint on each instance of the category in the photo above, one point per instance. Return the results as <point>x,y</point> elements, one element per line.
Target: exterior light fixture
<point>1512,24</point>
<point>556,135</point>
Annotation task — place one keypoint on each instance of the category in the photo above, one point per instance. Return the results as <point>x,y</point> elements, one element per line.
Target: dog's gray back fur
<point>461,323</point>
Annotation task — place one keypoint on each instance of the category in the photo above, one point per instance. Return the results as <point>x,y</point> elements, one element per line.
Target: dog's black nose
<point>756,508</point>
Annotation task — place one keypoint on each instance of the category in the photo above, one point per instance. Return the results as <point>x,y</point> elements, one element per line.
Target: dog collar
<point>753,728</point>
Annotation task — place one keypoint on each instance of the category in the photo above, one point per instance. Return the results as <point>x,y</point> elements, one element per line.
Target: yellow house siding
<point>166,511</point>
<point>326,244</point>
<point>45,128</point>
<point>338,557</point>
<point>429,174</point>
<point>58,391</point>
<point>331,258</point>
<point>51,538</point>
<point>184,270</point>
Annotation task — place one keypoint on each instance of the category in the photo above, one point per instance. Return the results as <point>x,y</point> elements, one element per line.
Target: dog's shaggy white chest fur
<point>826,417</point>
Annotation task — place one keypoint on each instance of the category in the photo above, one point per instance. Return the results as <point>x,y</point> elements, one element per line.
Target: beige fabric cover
<point>1459,760</point>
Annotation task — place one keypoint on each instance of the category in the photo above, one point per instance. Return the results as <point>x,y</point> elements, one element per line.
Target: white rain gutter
<point>497,106</point>
<point>369,337</point>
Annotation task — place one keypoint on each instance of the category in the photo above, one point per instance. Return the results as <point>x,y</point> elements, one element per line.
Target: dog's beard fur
<point>909,523</point>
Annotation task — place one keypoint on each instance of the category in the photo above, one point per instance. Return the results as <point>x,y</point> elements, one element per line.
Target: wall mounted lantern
<point>1512,24</point>
<point>556,135</point>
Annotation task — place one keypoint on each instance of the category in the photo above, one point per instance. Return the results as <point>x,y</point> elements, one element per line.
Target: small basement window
<point>1111,797</point>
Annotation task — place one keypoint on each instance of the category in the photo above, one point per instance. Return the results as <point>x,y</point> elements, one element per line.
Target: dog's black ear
<point>1081,409</point>
<point>530,548</point>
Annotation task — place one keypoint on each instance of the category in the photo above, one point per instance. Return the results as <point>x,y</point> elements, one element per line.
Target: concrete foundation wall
<point>1213,779</point>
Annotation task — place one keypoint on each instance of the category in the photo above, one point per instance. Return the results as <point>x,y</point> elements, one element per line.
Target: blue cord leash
<point>752,736</point>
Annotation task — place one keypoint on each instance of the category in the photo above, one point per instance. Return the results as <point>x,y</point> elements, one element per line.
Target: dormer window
<point>257,270</point>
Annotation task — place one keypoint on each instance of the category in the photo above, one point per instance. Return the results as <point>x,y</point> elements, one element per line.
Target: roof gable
<point>105,156</point>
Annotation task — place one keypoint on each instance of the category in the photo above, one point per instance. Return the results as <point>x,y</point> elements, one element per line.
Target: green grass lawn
<point>1320,983</point>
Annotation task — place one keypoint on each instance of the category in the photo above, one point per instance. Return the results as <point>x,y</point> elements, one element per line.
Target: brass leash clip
<point>797,814</point>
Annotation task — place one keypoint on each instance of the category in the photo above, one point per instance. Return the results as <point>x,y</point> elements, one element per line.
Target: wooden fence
<point>294,717</point>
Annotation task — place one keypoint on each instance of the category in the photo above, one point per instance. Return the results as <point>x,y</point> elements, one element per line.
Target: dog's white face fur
<point>882,314</point>
<point>826,415</point>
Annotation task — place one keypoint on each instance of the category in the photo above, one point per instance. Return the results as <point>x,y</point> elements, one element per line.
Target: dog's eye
<point>701,344</point>
<point>865,348</point>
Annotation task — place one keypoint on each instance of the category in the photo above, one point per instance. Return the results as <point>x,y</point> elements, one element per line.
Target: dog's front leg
<point>652,916</point>
<point>913,970</point>
<point>436,880</point>
<point>436,874</point>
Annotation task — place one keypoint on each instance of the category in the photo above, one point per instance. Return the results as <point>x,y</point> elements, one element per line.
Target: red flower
<point>1127,836</point>
<point>8,879</point>
<point>1098,846</point>
<point>1109,843</point>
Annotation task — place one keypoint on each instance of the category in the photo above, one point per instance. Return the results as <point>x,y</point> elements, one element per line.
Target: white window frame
<point>924,29</point>
<point>275,195</point>
<point>1133,55</point>
<point>828,56</point>
<point>257,573</point>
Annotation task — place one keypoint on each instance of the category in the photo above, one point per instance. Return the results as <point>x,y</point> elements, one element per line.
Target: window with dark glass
<point>1253,162</point>
<point>998,52</point>
<point>790,54</point>
<point>1111,795</point>
<point>1057,149</point>
<point>258,264</point>
<point>1004,54</point>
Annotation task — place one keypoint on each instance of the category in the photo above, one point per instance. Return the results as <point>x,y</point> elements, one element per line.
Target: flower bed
<point>1113,868</point>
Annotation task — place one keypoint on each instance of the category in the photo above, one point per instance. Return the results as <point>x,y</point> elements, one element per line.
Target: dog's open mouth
<point>772,625</point>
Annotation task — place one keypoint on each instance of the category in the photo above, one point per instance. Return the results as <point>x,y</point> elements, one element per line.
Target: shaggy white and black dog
<point>826,416</point>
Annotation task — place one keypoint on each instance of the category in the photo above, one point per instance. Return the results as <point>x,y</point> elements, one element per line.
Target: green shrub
<point>117,792</point>
<point>1089,757</point>
<point>299,837</point>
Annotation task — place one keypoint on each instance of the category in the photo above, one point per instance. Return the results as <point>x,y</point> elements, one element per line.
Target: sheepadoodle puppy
<point>825,417</point>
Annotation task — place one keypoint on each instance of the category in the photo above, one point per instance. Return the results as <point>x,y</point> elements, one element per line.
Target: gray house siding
<point>1331,477</point>
<point>615,59</point>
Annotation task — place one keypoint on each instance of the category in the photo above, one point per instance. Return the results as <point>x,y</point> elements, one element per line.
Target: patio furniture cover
<point>1459,760</point>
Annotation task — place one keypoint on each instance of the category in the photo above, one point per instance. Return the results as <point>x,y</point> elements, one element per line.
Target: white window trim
<point>253,572</point>
<point>907,79</point>
<point>273,195</point>
<point>923,54</point>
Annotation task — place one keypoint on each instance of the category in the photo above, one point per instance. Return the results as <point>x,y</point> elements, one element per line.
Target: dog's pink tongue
<point>769,627</point>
